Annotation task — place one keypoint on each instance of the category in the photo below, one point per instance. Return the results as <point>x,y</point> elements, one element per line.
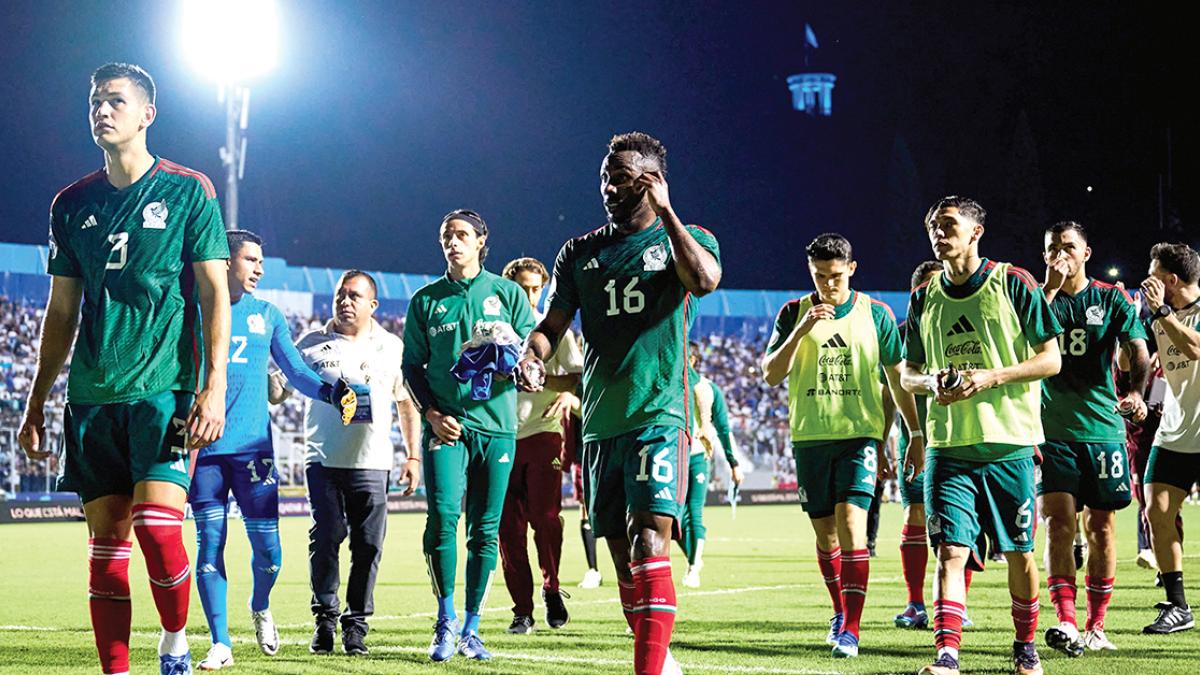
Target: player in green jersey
<point>980,338</point>
<point>1084,466</point>
<point>137,244</point>
<point>830,346</point>
<point>634,283</point>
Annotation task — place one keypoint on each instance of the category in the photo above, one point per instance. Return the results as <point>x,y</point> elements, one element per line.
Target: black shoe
<point>522,624</point>
<point>556,612</point>
<point>1171,619</point>
<point>353,640</point>
<point>1158,580</point>
<point>871,550</point>
<point>1079,550</point>
<point>322,639</point>
<point>1025,659</point>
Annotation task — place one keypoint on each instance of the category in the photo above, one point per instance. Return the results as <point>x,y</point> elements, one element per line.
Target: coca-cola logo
<point>971,347</point>
<point>1173,351</point>
<point>836,360</point>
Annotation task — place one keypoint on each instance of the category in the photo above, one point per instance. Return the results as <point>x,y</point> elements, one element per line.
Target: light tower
<point>231,42</point>
<point>812,92</point>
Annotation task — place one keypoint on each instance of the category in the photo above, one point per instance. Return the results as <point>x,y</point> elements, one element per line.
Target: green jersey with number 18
<point>132,251</point>
<point>636,315</point>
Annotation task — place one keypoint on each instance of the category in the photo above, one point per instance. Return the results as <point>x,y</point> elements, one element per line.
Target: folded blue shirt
<point>477,365</point>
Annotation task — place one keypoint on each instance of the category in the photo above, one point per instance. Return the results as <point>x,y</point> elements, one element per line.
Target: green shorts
<point>1179,469</point>
<point>1096,474</point>
<point>645,470</point>
<point>965,501</point>
<point>112,447</point>
<point>911,492</point>
<point>832,472</point>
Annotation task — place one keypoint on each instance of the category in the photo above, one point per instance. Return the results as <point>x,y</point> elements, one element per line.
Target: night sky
<point>383,116</point>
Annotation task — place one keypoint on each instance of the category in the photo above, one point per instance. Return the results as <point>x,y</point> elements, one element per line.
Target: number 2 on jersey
<point>632,300</point>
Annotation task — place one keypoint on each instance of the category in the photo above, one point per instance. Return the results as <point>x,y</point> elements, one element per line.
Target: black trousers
<point>345,501</point>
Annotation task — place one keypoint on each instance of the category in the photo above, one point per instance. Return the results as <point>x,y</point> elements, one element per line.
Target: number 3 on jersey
<point>633,301</point>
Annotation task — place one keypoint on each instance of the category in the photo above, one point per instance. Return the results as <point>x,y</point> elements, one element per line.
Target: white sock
<point>948,650</point>
<point>173,644</point>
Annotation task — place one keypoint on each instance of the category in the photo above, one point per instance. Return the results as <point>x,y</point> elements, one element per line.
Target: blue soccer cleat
<point>175,665</point>
<point>442,646</point>
<point>471,646</point>
<point>846,647</point>
<point>835,629</point>
<point>914,617</point>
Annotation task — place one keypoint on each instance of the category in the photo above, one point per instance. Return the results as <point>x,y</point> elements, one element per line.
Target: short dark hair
<point>641,143</point>
<point>922,271</point>
<point>1178,259</point>
<point>237,238</point>
<point>512,269</point>
<point>830,246</point>
<point>965,205</point>
<point>1065,225</point>
<point>135,73</point>
<point>350,274</point>
<point>694,351</point>
<point>476,222</point>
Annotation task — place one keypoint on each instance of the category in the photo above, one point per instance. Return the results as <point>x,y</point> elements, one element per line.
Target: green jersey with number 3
<point>1079,404</point>
<point>132,250</point>
<point>636,315</point>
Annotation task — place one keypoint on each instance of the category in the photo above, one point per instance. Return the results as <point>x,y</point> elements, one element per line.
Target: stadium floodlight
<point>1114,272</point>
<point>232,42</point>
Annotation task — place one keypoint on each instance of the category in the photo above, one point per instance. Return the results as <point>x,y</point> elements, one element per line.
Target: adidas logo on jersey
<point>592,264</point>
<point>963,325</point>
<point>89,223</point>
<point>441,309</point>
<point>503,459</point>
<point>1123,488</point>
<point>664,493</point>
<point>835,342</point>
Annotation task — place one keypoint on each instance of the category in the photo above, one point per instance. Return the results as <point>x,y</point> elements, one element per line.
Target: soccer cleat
<point>913,617</point>
<point>943,665</point>
<point>556,612</point>
<point>1065,638</point>
<point>441,648</point>
<point>471,646</point>
<point>1171,619</point>
<point>1025,659</point>
<point>265,632</point>
<point>218,657</point>
<point>175,665</point>
<point>354,640</point>
<point>967,622</point>
<point>846,647</point>
<point>1146,559</point>
<point>522,624</point>
<point>691,578</point>
<point>835,629</point>
<point>1096,640</point>
<point>322,639</point>
<point>591,579</point>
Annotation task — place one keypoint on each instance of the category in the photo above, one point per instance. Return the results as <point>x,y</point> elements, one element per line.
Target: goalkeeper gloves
<point>341,396</point>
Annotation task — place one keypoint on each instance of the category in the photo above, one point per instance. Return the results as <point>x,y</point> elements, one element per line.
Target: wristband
<point>916,434</point>
<point>413,459</point>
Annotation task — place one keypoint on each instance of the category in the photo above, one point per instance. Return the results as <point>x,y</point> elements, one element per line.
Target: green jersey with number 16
<point>636,315</point>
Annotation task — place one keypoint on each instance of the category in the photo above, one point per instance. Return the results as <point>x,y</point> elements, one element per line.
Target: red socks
<point>914,556</point>
<point>967,573</point>
<point>1025,616</point>
<point>830,563</point>
<point>947,624</point>
<point>1099,592</point>
<point>655,603</point>
<point>159,534</point>
<point>1062,593</point>
<point>108,601</point>
<point>856,566</point>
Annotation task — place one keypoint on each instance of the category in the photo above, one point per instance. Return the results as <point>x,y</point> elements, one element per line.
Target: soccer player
<point>470,429</point>
<point>633,281</point>
<point>243,460</point>
<point>829,346</point>
<point>535,485</point>
<point>138,242</point>
<point>914,546</point>
<point>711,430</point>
<point>1173,297</point>
<point>980,337</point>
<point>1084,463</point>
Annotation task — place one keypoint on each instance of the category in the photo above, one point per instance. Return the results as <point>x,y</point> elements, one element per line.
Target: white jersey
<point>566,360</point>
<point>1180,427</point>
<point>371,360</point>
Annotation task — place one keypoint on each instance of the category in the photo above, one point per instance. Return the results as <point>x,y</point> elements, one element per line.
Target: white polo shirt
<point>372,360</point>
<point>566,360</point>
<point>1180,427</point>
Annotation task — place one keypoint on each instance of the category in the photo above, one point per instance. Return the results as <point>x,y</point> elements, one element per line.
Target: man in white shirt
<point>348,461</point>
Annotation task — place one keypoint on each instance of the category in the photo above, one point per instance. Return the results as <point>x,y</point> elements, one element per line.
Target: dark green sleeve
<point>416,355</point>
<point>1125,316</point>
<point>891,351</point>
<point>523,321</point>
<point>914,349</point>
<point>720,420</point>
<point>204,233</point>
<point>564,296</point>
<point>707,241</point>
<point>62,261</point>
<point>1037,321</point>
<point>786,320</point>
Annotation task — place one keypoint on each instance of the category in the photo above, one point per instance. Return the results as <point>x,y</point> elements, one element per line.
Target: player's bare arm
<point>530,374</point>
<point>1045,362</point>
<point>916,381</point>
<point>410,429</point>
<point>206,422</point>
<point>696,267</point>
<point>777,364</point>
<point>906,403</point>
<point>1185,339</point>
<point>1135,358</point>
<point>58,334</point>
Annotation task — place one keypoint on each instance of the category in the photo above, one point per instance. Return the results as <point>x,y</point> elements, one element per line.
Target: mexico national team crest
<point>491,306</point>
<point>256,324</point>
<point>154,216</point>
<point>655,258</point>
<point>1094,315</point>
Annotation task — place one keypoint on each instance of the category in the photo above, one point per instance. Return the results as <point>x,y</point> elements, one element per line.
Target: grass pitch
<point>762,609</point>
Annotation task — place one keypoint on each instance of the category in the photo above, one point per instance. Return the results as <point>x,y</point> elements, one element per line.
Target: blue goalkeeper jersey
<point>258,331</point>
